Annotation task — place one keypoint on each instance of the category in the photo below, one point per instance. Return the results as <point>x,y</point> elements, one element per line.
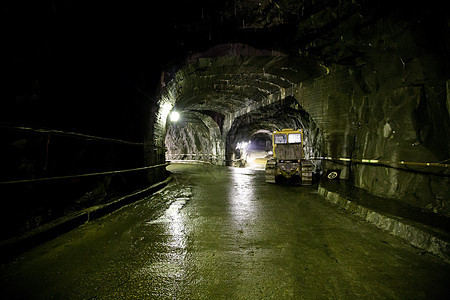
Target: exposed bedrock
<point>379,93</point>
<point>195,136</point>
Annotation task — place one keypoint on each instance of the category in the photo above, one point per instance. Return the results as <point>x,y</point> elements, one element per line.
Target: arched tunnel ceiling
<point>286,114</point>
<point>224,81</point>
<point>251,90</point>
<point>276,46</point>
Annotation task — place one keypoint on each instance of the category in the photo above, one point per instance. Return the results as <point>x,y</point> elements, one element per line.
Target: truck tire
<point>306,172</point>
<point>270,171</point>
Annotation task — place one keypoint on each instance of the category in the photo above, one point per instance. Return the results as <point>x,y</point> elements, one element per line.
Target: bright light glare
<point>244,207</point>
<point>174,116</point>
<point>164,111</point>
<point>242,145</point>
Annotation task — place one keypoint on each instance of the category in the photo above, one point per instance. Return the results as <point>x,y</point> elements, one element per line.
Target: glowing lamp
<point>174,116</point>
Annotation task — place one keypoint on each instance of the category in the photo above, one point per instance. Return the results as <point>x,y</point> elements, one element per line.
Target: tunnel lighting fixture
<point>174,116</point>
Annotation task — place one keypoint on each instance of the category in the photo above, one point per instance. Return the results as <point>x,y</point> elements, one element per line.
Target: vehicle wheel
<point>306,172</point>
<point>270,171</point>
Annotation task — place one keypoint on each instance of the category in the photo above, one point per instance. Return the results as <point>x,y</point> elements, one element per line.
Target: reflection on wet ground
<point>223,233</point>
<point>241,197</point>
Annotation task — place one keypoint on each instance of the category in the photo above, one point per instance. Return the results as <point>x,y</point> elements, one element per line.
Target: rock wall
<point>55,135</point>
<point>197,139</point>
<point>390,105</point>
<point>29,154</point>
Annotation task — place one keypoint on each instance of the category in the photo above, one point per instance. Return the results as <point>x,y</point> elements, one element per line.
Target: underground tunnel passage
<point>86,129</point>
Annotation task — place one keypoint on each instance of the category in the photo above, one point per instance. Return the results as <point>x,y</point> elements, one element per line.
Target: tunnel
<point>89,90</point>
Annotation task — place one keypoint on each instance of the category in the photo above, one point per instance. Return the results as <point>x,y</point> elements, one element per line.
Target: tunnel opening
<point>258,126</point>
<point>223,84</point>
<point>253,153</point>
<point>259,149</point>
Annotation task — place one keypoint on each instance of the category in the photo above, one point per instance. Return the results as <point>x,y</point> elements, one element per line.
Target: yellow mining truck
<point>288,158</point>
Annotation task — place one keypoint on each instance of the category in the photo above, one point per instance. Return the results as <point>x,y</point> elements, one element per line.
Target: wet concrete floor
<point>223,233</point>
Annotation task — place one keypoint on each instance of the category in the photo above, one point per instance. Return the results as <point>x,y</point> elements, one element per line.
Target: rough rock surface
<point>373,82</point>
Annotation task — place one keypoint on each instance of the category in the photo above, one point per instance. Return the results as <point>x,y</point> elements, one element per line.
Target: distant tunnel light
<point>174,116</point>
<point>242,145</point>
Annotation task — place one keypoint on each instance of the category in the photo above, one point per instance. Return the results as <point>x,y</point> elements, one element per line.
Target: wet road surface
<point>223,233</point>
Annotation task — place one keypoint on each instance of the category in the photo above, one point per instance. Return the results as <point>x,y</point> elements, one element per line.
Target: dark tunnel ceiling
<point>280,115</point>
<point>145,36</point>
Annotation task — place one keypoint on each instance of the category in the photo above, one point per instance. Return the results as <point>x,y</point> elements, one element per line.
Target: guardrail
<point>82,175</point>
<point>69,133</point>
<point>378,161</point>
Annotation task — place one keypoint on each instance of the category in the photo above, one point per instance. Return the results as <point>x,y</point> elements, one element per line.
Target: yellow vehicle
<point>288,158</point>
